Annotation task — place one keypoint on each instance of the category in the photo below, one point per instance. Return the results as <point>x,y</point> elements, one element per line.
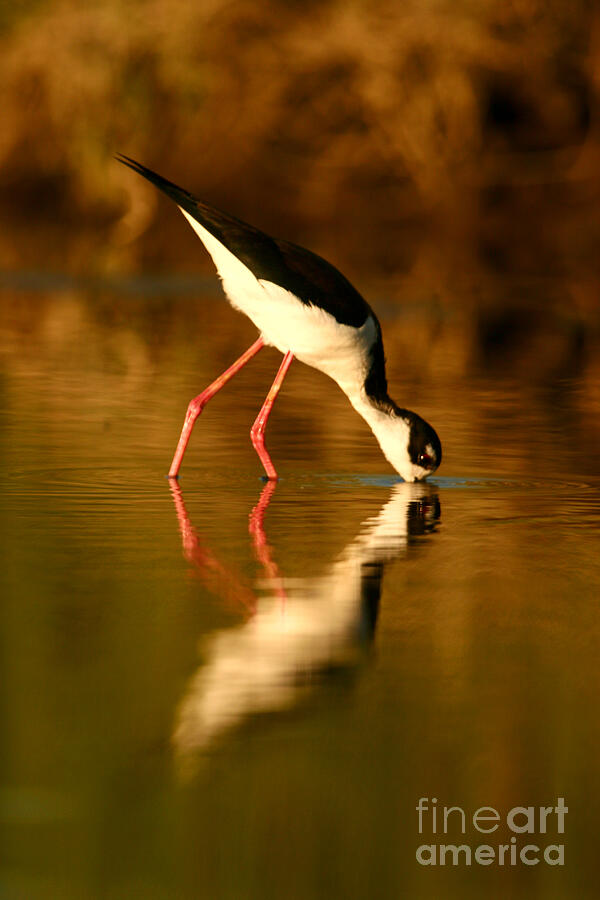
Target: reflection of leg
<point>257,432</point>
<point>213,573</point>
<point>259,538</point>
<point>189,538</point>
<point>198,403</point>
<point>257,517</point>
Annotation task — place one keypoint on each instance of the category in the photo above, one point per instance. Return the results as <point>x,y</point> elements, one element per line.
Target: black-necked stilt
<point>303,306</point>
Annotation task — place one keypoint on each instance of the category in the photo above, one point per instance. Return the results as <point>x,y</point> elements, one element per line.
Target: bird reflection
<point>298,629</point>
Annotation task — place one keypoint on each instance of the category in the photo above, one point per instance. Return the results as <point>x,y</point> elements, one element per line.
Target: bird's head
<point>424,449</point>
<point>410,444</point>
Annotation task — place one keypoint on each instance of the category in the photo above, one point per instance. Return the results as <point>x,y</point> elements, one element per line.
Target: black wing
<point>312,279</point>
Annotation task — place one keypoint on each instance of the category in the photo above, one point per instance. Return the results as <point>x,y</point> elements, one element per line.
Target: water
<point>223,689</point>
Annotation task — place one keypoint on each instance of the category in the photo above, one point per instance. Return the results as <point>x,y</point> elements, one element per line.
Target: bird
<point>303,306</point>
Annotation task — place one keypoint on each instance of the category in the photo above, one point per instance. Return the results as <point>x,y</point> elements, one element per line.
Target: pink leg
<point>198,403</point>
<point>257,432</point>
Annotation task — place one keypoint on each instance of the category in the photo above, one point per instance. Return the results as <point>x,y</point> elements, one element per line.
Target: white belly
<point>314,336</point>
<point>310,333</point>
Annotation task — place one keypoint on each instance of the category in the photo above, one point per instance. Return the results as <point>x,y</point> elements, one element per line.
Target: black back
<point>312,279</point>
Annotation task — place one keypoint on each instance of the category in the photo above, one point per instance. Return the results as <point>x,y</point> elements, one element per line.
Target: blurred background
<point>360,127</point>
<point>443,153</point>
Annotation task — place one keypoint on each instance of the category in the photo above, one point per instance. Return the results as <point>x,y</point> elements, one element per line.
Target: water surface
<point>225,690</point>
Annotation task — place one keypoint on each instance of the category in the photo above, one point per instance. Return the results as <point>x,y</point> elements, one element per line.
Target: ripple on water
<point>545,484</point>
<point>111,486</point>
<point>449,483</point>
<point>81,489</point>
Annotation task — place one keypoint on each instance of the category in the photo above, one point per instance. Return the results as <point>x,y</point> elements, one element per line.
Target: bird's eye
<point>426,461</point>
